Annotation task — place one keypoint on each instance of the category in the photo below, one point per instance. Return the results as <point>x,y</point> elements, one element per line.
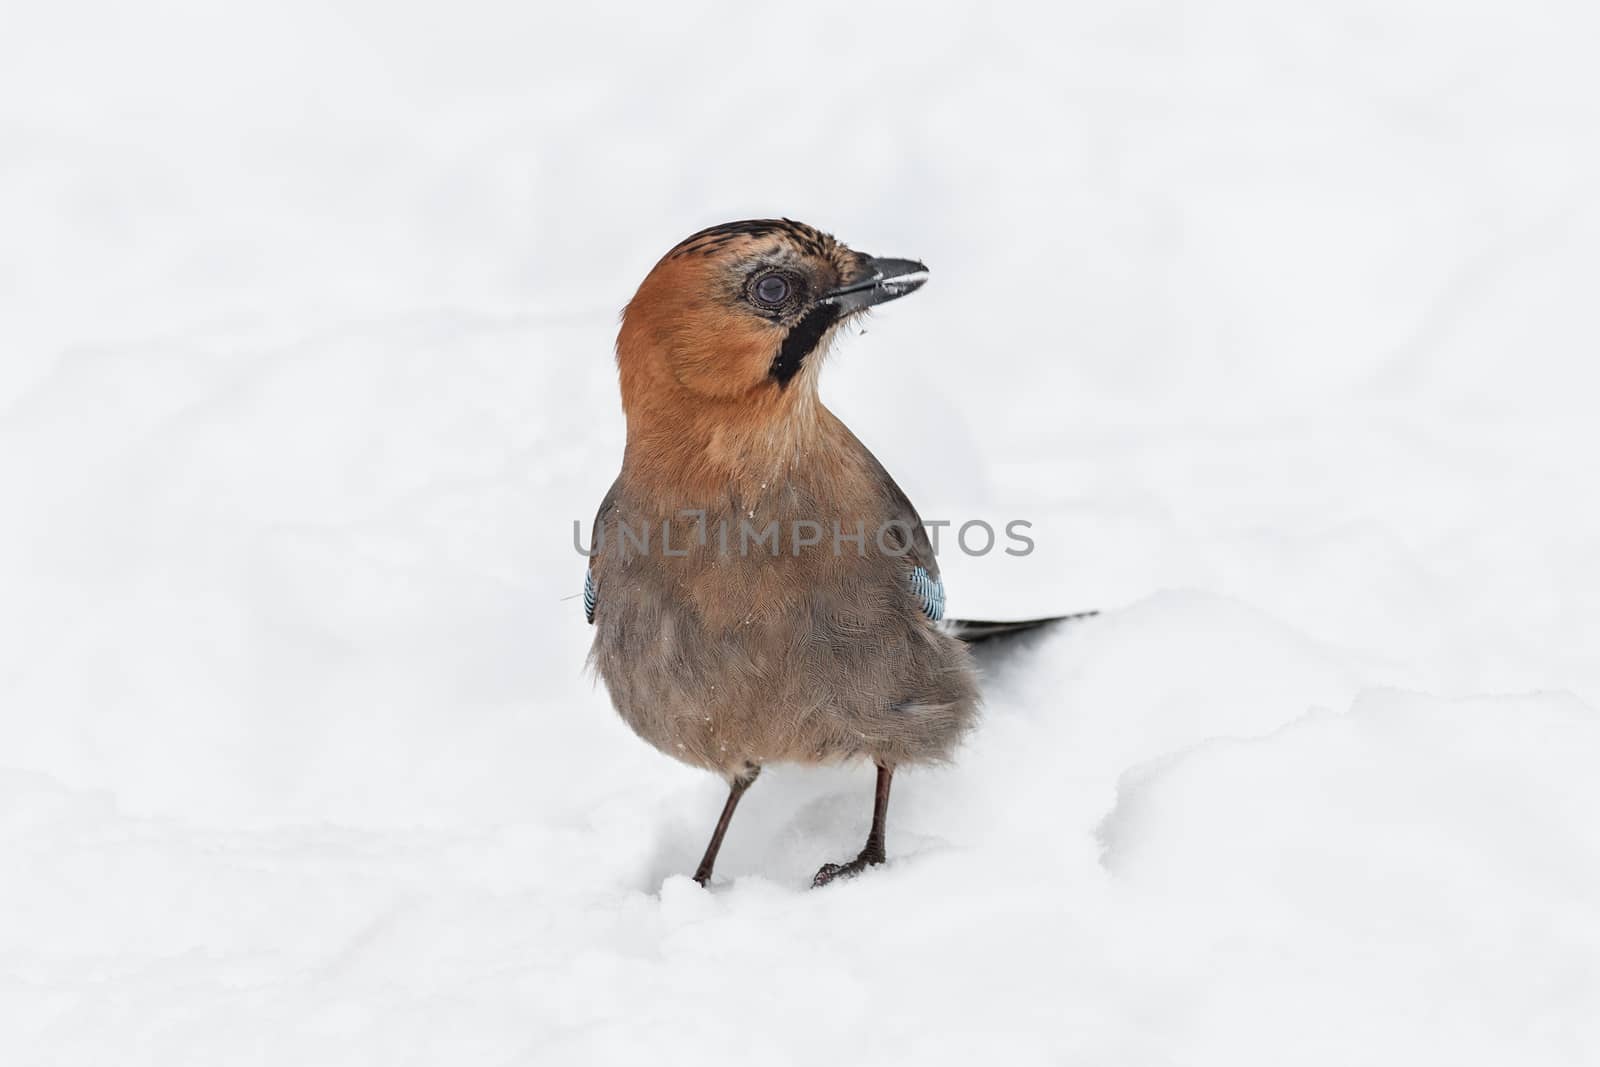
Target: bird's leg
<point>873,853</point>
<point>736,788</point>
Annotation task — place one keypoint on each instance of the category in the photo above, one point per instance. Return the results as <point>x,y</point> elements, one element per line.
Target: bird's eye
<point>770,290</point>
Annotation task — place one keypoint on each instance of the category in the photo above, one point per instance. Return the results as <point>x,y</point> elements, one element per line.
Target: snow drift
<point>1275,324</point>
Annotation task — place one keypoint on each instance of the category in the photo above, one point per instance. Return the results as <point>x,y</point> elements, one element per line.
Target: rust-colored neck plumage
<point>718,358</point>
<point>705,416</point>
<point>695,449</point>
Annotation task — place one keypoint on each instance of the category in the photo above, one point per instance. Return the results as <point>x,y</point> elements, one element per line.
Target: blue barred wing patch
<point>930,591</point>
<point>590,596</point>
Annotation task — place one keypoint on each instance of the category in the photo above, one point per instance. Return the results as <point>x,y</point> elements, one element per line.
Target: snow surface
<point>1276,320</point>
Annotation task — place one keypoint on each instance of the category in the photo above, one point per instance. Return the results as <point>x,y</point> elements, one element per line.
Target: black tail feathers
<point>973,631</point>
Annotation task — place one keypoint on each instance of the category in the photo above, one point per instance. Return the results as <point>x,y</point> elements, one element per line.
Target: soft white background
<point>1278,320</point>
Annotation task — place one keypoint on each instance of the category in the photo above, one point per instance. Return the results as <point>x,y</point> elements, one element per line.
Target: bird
<point>761,590</point>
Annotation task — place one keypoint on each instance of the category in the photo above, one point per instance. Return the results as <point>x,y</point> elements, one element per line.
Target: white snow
<point>1276,321</point>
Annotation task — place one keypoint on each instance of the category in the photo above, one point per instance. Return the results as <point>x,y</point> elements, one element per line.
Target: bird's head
<point>742,312</point>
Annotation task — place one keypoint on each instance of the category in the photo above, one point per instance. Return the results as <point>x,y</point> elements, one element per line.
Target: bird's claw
<point>828,872</point>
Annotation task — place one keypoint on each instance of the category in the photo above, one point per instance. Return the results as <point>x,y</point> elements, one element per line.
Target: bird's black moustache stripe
<point>802,338</point>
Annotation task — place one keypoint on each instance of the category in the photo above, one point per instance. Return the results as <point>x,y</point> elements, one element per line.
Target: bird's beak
<point>881,280</point>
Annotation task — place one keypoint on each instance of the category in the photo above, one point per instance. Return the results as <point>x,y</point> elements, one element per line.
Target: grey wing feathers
<point>930,591</point>
<point>591,588</point>
<point>923,573</point>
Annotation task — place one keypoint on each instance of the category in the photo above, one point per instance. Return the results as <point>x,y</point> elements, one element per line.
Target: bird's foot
<point>870,857</point>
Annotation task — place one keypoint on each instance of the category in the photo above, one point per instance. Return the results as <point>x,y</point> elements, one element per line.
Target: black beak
<point>882,280</point>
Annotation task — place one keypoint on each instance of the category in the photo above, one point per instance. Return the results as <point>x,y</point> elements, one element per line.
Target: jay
<point>761,589</point>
